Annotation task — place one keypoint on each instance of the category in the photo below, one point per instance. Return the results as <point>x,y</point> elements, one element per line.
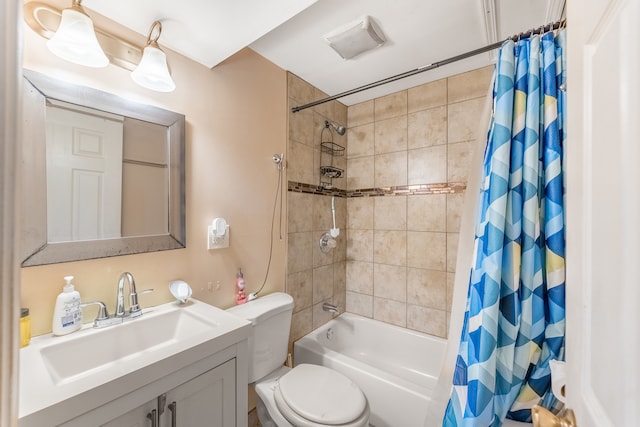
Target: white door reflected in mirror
<point>106,175</point>
<point>84,175</point>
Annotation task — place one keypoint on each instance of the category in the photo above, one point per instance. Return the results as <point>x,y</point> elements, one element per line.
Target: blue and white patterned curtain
<point>515,316</point>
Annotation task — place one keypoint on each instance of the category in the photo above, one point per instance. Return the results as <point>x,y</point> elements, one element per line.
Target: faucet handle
<point>103,314</point>
<point>135,309</point>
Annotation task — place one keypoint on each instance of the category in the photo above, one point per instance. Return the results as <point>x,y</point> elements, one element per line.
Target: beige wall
<point>236,120</point>
<point>401,252</point>
<point>145,210</point>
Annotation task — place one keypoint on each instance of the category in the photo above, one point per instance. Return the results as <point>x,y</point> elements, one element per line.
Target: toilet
<point>304,396</point>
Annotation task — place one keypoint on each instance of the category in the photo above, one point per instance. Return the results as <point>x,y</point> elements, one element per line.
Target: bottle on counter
<point>241,297</point>
<point>67,314</point>
<point>25,327</point>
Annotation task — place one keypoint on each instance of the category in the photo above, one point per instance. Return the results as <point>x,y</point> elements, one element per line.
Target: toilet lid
<point>322,395</point>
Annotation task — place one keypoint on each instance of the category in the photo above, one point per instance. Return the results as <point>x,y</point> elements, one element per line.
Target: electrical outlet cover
<point>217,242</point>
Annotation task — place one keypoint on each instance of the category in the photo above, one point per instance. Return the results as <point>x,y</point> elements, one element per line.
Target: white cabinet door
<point>208,400</point>
<point>603,201</point>
<point>134,418</point>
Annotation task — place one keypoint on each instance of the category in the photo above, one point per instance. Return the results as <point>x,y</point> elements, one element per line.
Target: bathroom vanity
<point>177,365</point>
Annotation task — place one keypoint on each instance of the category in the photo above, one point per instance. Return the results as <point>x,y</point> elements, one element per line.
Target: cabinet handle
<point>162,400</point>
<point>153,416</point>
<point>174,410</point>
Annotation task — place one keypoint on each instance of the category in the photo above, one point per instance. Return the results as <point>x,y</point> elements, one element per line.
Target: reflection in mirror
<point>107,175</point>
<point>102,176</point>
<point>84,173</point>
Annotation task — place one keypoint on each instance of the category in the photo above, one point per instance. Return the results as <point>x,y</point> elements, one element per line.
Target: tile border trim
<point>399,190</point>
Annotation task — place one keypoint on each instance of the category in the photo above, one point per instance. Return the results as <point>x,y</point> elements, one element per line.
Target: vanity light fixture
<point>75,40</point>
<point>153,72</point>
<point>68,31</point>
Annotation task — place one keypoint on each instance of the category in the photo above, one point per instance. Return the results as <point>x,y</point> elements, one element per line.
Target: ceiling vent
<point>355,38</point>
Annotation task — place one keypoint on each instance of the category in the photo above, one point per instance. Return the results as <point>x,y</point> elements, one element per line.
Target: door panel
<point>603,201</point>
<point>84,176</point>
<point>134,418</point>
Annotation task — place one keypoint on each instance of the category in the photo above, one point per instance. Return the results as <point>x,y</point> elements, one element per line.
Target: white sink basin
<point>82,366</point>
<point>81,355</point>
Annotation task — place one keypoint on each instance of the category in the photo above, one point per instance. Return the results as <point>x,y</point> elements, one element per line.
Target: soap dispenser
<point>67,315</point>
<point>241,297</point>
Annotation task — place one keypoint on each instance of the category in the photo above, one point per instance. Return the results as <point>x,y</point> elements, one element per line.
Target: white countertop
<point>45,393</point>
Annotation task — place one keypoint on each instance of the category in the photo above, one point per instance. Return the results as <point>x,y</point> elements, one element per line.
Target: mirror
<point>101,176</point>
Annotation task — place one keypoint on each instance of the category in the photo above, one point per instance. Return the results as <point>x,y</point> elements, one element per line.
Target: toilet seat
<point>314,396</point>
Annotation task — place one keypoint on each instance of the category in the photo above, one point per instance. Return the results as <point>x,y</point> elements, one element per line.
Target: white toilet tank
<point>270,317</point>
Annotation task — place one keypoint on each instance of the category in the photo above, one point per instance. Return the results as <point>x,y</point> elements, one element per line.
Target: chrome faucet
<point>103,318</point>
<point>134,307</point>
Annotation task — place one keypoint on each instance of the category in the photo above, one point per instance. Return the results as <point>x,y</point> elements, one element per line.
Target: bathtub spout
<point>330,307</point>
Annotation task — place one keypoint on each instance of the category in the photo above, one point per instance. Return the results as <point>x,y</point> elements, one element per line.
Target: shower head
<point>338,128</point>
<point>278,159</point>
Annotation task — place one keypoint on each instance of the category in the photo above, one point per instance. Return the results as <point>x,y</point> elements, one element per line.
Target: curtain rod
<point>515,38</point>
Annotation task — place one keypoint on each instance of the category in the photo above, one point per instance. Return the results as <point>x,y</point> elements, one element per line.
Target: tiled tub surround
<point>313,277</point>
<point>406,172</point>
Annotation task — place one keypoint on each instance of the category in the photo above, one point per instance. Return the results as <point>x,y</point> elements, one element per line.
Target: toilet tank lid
<point>263,307</point>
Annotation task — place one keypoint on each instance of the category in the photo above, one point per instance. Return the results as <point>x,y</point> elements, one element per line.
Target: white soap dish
<point>180,290</point>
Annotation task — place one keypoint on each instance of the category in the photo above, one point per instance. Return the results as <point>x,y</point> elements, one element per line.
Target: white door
<point>84,176</point>
<point>603,212</point>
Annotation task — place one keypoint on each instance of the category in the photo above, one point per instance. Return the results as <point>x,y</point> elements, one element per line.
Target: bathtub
<point>396,368</point>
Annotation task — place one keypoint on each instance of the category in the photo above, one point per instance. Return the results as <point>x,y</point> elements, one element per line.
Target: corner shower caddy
<point>328,151</point>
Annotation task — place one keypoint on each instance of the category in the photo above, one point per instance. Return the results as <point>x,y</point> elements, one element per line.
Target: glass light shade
<point>152,72</point>
<point>76,40</point>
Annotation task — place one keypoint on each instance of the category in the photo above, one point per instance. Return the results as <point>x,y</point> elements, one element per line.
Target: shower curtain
<point>514,321</point>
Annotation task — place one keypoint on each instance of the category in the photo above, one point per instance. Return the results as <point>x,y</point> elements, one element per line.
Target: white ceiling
<point>290,34</point>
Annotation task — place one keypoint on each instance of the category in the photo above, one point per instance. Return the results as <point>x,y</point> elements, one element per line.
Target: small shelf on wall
<point>331,171</point>
<point>329,150</point>
<point>332,148</point>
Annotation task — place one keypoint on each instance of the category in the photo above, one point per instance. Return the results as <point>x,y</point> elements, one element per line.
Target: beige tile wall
<point>396,254</point>
<point>401,249</point>
<point>313,277</point>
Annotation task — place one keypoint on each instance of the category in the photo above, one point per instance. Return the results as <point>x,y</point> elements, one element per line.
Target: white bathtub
<point>396,368</point>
